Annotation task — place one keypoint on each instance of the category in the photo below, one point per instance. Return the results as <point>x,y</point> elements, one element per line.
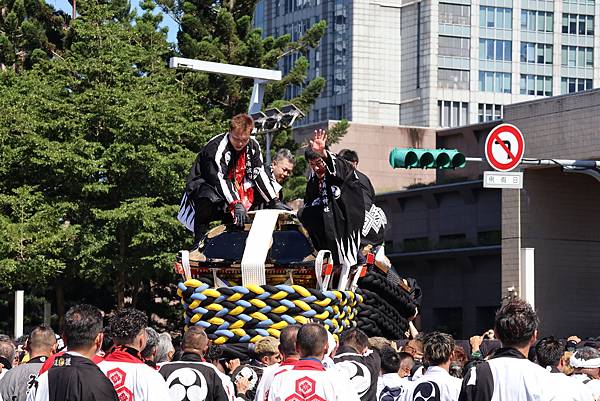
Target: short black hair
<point>126,324</point>
<point>515,323</point>
<point>548,351</point>
<point>406,359</point>
<point>310,154</point>
<point>311,339</point>
<point>82,324</point>
<point>437,348</point>
<point>348,155</point>
<point>355,338</point>
<point>390,360</point>
<point>287,339</point>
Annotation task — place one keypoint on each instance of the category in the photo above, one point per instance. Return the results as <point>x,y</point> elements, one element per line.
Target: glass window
<point>571,85</point>
<point>589,57</point>
<point>456,14</point>
<point>454,46</point>
<point>495,17</point>
<point>590,25</point>
<point>453,79</point>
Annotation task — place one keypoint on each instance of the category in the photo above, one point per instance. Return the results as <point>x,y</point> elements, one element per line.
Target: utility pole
<point>74,9</point>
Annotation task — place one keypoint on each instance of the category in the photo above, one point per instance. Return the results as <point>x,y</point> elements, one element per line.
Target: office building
<point>440,64</point>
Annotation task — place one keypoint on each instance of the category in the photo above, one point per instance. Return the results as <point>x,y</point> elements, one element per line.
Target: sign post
<point>504,150</point>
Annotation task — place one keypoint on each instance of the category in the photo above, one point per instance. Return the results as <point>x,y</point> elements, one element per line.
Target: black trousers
<point>207,211</point>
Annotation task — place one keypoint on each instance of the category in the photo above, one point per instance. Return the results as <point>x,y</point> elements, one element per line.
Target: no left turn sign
<point>504,147</point>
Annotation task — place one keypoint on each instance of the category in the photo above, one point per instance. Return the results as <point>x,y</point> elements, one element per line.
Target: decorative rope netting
<point>247,313</point>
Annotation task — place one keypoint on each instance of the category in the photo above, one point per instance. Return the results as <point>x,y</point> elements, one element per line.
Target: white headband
<point>582,363</point>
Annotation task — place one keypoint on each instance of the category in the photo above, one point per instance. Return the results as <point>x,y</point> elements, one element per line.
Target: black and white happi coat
<point>362,371</point>
<point>190,379</point>
<point>72,377</point>
<point>376,223</point>
<point>209,176</point>
<point>436,384</point>
<point>334,211</point>
<point>508,376</point>
<point>391,387</point>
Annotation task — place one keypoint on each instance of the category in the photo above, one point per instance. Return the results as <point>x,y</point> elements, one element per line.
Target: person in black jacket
<point>356,361</point>
<point>192,379</point>
<point>280,169</point>
<point>73,376</point>
<point>376,223</point>
<point>334,210</point>
<point>225,178</point>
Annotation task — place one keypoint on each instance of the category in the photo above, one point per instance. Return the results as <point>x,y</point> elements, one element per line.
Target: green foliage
<point>335,133</point>
<point>95,147</point>
<point>30,31</point>
<point>97,136</point>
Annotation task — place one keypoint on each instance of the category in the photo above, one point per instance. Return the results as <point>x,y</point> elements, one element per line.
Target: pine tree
<point>95,146</point>
<point>30,30</point>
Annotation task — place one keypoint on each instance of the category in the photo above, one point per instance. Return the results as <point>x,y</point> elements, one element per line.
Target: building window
<point>338,112</point>
<point>582,2</point>
<point>571,85</point>
<point>537,21</point>
<point>454,46</point>
<point>538,85</point>
<point>492,49</point>
<point>538,53</point>
<point>453,79</point>
<point>455,14</point>
<point>578,24</point>
<point>576,56</point>
<point>453,114</point>
<point>495,17</point>
<point>493,81</point>
<point>490,112</point>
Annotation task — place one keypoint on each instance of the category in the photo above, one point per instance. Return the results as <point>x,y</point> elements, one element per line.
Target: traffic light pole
<point>589,167</point>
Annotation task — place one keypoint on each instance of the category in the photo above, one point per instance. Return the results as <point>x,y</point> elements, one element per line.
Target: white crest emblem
<point>336,191</point>
<point>187,384</point>
<point>227,157</point>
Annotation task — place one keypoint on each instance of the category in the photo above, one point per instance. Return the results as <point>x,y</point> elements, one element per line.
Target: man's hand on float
<point>279,205</point>
<point>317,143</point>
<point>240,215</point>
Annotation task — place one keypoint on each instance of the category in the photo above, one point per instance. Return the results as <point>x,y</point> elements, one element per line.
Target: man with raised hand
<point>334,210</point>
<point>132,379</point>
<point>73,376</point>
<point>309,379</point>
<point>40,345</point>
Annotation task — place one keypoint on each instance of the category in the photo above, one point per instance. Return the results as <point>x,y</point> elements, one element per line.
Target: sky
<point>167,21</point>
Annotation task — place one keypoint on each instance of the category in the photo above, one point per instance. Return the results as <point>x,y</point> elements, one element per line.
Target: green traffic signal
<point>427,158</point>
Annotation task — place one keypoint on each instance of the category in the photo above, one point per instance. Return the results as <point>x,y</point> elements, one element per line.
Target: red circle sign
<point>504,147</point>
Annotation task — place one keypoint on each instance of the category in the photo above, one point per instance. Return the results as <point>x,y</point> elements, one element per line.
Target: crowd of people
<point>127,360</point>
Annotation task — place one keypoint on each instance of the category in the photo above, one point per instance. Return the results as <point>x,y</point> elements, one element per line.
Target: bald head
<point>195,340</point>
<point>41,341</point>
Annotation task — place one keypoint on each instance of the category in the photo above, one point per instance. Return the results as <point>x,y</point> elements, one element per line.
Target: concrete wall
<point>558,213</point>
<point>373,144</point>
<point>447,237</point>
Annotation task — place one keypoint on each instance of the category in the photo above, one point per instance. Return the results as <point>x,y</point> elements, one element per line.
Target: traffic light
<point>426,158</point>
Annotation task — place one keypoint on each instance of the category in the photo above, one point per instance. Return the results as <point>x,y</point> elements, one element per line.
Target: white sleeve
<point>344,390</point>
<point>156,388</point>
<point>39,390</point>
